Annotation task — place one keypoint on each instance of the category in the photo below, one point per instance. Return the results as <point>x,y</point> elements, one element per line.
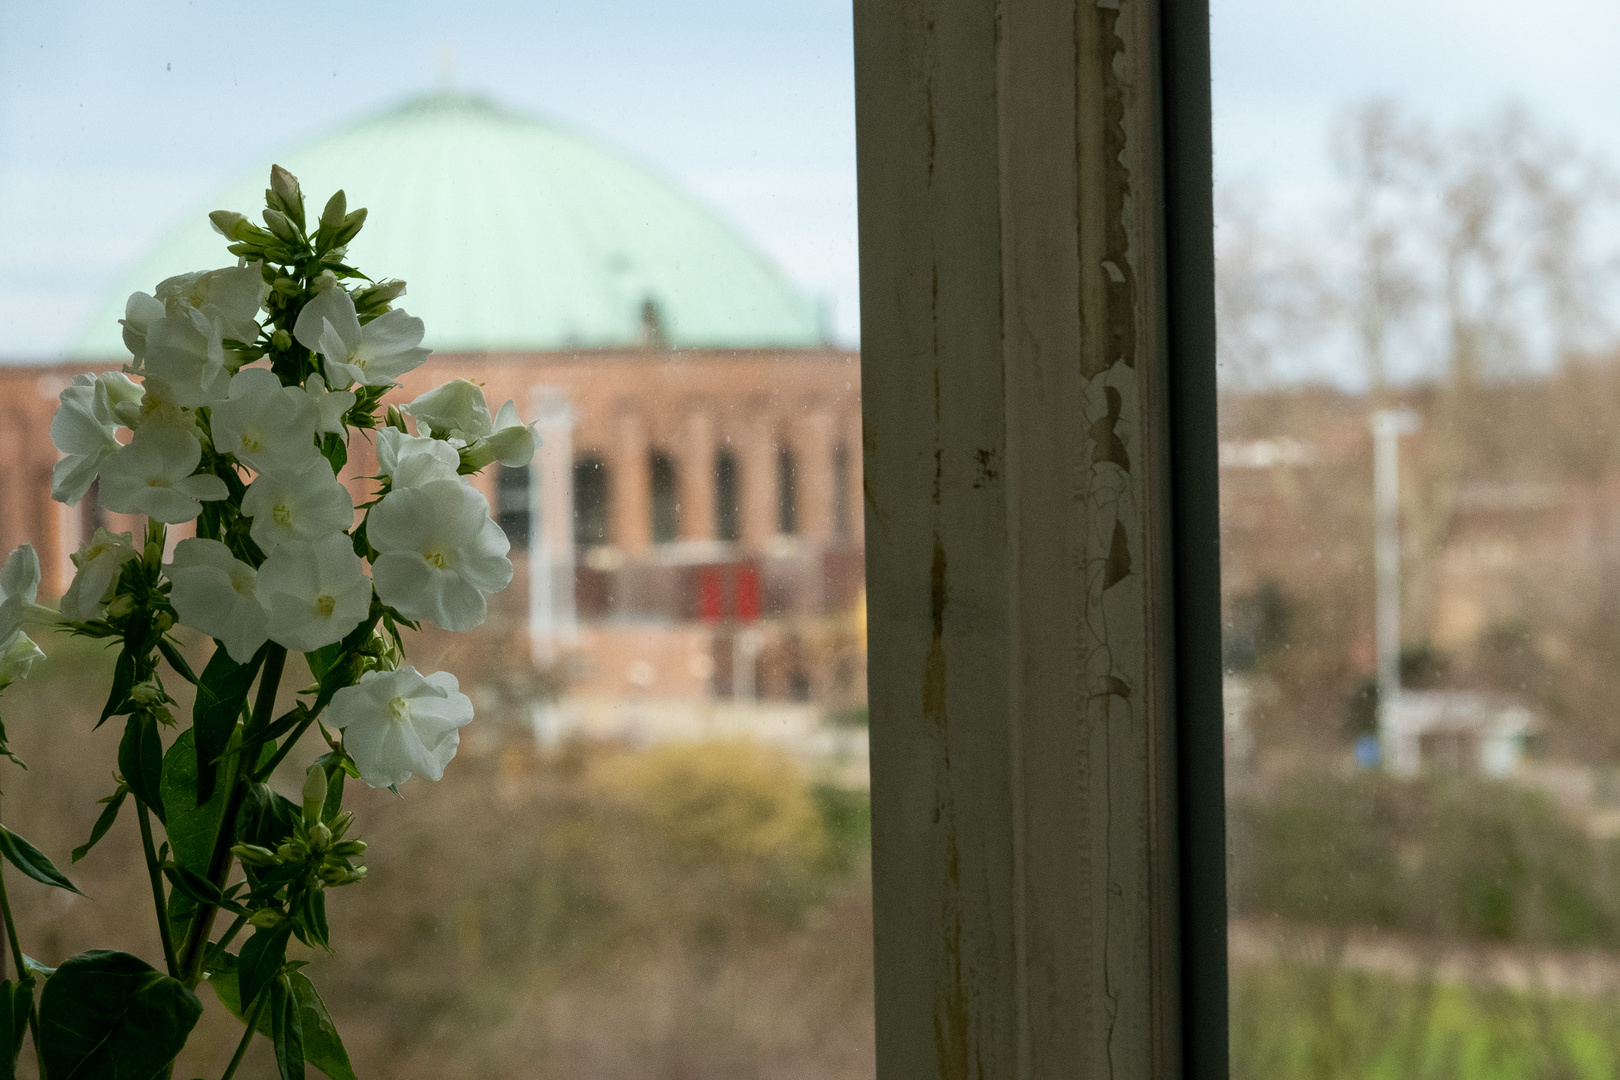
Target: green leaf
<point>222,694</point>
<point>16,1001</point>
<point>114,802</point>
<point>323,1047</point>
<point>140,759</point>
<point>261,960</point>
<point>321,660</point>
<point>123,682</point>
<point>335,451</point>
<point>191,827</point>
<point>199,888</point>
<point>31,861</point>
<point>5,749</point>
<point>311,919</point>
<point>176,661</point>
<point>287,1029</point>
<point>109,1016</point>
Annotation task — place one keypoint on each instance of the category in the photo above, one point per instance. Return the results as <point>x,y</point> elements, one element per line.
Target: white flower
<point>100,562</point>
<point>16,659</point>
<point>330,406</point>
<point>19,588</point>
<point>373,355</point>
<point>414,460</point>
<point>183,344</point>
<point>141,310</point>
<point>304,504</point>
<point>439,553</point>
<point>152,476</point>
<point>264,424</point>
<point>228,298</point>
<point>512,442</point>
<point>189,359</point>
<point>158,407</point>
<point>214,592</point>
<point>315,592</point>
<point>84,429</point>
<point>400,724</point>
<point>456,410</point>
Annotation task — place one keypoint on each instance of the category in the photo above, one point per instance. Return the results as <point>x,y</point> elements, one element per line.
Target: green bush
<point>1453,858</point>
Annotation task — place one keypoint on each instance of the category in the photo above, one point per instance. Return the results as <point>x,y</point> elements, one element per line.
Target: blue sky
<point>115,118</point>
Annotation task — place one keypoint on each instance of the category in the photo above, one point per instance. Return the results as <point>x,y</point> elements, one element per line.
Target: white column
<point>552,622</point>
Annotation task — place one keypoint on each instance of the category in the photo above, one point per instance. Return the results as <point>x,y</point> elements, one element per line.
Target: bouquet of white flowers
<point>247,385</point>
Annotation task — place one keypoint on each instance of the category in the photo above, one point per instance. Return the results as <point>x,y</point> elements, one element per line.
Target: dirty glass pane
<point>1420,377</point>
<point>636,223</point>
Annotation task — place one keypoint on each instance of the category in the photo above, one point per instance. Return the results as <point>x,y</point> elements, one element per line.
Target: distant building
<point>1462,732</point>
<point>692,523</point>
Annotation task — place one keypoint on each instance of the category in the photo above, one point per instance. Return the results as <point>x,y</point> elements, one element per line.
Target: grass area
<point>1316,1021</point>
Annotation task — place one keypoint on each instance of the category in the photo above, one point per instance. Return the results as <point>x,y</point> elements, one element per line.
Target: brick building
<point>700,438</point>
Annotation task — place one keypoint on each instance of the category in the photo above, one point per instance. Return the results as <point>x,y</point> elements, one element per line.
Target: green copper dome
<point>514,235</point>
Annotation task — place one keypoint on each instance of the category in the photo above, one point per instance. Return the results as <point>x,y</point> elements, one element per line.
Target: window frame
<point>950,153</point>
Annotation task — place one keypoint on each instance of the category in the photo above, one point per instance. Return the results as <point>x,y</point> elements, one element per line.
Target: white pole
<point>1398,748</point>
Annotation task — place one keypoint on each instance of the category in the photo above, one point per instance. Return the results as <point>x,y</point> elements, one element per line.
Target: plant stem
<point>22,969</point>
<point>252,1022</point>
<point>286,746</point>
<point>159,902</point>
<point>231,931</point>
<point>219,862</point>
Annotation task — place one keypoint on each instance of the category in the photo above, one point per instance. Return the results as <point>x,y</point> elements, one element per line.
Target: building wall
<point>625,406</point>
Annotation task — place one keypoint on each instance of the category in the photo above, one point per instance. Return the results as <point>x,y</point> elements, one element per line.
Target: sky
<point>117,118</point>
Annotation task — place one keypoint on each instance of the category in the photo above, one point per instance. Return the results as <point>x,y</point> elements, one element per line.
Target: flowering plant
<point>247,389</point>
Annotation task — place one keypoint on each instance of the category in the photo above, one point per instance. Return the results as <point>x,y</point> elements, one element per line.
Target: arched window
<point>512,503</point>
<point>591,489</point>
<point>727,507</point>
<point>787,492</point>
<point>666,498</point>
<point>842,523</point>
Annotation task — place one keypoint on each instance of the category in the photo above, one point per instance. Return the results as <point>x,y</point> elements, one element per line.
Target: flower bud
<point>281,226</point>
<point>320,837</point>
<point>341,823</point>
<point>314,794</point>
<point>375,299</point>
<point>337,207</point>
<point>162,621</point>
<point>396,419</point>
<point>267,918</point>
<point>254,855</point>
<point>284,186</point>
<point>349,849</point>
<point>352,224</point>
<point>286,286</point>
<point>229,224</point>
<point>285,853</point>
<point>120,606</point>
<point>147,694</point>
<point>281,340</point>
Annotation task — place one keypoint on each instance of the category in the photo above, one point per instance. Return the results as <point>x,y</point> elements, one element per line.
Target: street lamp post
<point>1398,749</point>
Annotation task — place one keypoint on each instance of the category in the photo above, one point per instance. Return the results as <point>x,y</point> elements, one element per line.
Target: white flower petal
<point>397,724</point>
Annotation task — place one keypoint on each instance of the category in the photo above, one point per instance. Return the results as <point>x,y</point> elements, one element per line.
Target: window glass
<point>787,492</point>
<point>1420,378</point>
<point>635,222</point>
<point>512,503</point>
<point>727,510</point>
